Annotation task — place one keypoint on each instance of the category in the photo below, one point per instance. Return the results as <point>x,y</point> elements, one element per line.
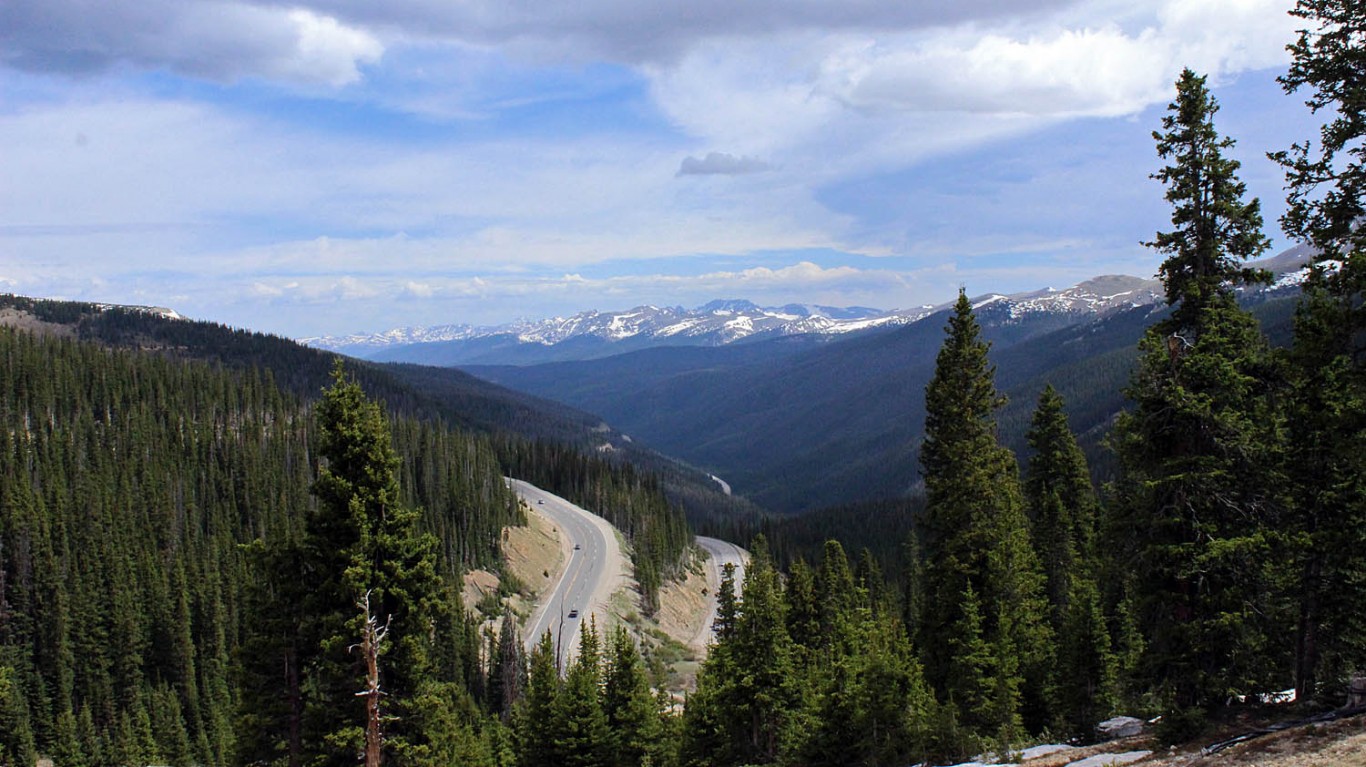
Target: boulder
<point>1119,727</point>
<point>1356,692</point>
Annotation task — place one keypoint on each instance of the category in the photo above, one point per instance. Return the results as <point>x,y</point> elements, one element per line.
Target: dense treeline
<point>191,572</point>
<point>601,712</point>
<point>128,485</point>
<point>1237,512</point>
<point>632,501</point>
<point>560,438</point>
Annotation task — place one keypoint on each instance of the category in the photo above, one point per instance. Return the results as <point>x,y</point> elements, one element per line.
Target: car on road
<point>573,614</point>
<point>577,547</point>
<point>540,502</point>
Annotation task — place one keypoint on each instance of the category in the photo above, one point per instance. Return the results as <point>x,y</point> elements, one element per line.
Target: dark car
<point>573,613</point>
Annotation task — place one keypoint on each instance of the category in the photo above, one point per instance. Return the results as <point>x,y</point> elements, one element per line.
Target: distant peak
<point>728,305</point>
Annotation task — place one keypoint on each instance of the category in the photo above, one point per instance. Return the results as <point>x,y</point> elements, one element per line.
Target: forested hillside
<point>130,484</point>
<point>643,500</point>
<point>797,428</point>
<point>1224,564</point>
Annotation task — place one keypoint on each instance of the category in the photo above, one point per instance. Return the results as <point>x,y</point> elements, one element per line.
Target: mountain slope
<point>425,393</point>
<point>800,428</point>
<point>593,334</point>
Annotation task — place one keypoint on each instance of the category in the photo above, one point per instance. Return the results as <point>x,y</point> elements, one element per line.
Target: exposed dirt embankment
<point>673,640</point>
<point>683,606</point>
<point>533,555</point>
<point>1332,744</point>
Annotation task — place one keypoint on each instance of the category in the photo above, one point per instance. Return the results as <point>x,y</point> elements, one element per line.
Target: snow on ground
<point>1106,760</point>
<point>725,486</point>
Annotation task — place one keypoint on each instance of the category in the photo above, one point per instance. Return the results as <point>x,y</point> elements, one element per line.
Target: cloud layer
<point>433,156</point>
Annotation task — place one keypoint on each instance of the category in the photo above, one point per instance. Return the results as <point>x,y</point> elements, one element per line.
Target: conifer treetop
<point>1213,229</point>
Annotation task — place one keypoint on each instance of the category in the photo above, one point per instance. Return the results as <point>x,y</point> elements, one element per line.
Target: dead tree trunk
<point>372,636</point>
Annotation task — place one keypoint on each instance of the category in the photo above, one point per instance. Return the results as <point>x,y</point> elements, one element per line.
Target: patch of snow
<point>991,299</point>
<point>725,486</point>
<point>1109,760</point>
<point>678,327</point>
<point>1038,751</point>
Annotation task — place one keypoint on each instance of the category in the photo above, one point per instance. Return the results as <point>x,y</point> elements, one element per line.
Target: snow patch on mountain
<point>727,321</point>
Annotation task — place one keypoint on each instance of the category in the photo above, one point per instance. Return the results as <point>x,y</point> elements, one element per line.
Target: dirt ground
<point>1333,744</point>
<point>683,606</point>
<point>534,556</point>
<point>14,318</point>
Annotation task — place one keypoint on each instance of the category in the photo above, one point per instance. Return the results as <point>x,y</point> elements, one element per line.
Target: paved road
<point>588,579</point>
<point>721,553</point>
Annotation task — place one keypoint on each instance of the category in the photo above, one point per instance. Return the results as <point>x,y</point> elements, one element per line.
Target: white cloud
<point>328,51</point>
<point>419,290</point>
<point>1073,72</point>
<point>783,92</point>
<point>101,179</point>
<point>215,39</point>
<point>721,164</point>
<point>1060,71</point>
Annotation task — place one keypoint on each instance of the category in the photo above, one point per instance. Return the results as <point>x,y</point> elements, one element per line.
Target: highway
<point>721,553</point>
<point>592,572</point>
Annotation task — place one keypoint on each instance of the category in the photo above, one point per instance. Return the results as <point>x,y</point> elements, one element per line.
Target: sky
<point>341,166</point>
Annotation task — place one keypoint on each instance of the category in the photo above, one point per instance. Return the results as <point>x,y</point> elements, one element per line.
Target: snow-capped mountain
<point>1099,296</point>
<point>594,334</point>
<point>716,323</point>
<point>727,321</point>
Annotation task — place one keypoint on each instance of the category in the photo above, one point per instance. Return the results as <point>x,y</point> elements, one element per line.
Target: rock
<point>1119,727</point>
<point>1037,752</point>
<point>1356,692</point>
<point>1109,760</point>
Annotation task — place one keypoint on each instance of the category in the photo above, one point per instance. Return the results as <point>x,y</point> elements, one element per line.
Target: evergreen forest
<point>252,556</point>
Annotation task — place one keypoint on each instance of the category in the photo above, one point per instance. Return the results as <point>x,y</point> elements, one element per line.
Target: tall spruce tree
<point>582,737</point>
<point>507,668</point>
<point>1062,505</point>
<point>1199,448</point>
<point>975,544</point>
<point>748,692</point>
<point>633,715</point>
<point>363,545</point>
<point>535,714</point>
<point>1061,500</point>
<point>1327,457</point>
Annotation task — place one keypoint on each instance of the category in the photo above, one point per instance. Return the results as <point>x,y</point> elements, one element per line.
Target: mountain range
<point>801,422</point>
<point>596,334</point>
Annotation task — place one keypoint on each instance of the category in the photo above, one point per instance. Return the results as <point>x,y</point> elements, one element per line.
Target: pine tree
<point>535,714</point>
<point>727,607</point>
<point>1200,446</point>
<point>582,737</point>
<point>1063,507</point>
<point>975,541</point>
<point>507,672</point>
<point>748,693</point>
<point>766,696</point>
<point>1061,501</point>
<point>17,747</point>
<point>1328,419</point>
<point>364,545</point>
<point>633,715</point>
<point>1087,681</point>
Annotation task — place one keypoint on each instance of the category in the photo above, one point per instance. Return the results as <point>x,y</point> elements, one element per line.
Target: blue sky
<point>335,166</point>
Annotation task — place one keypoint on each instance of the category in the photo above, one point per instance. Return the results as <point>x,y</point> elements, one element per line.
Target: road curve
<point>721,553</point>
<point>593,571</point>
